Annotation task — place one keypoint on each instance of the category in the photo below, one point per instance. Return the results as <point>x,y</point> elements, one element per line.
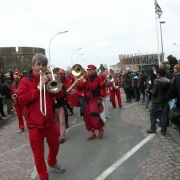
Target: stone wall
<point>20,58</point>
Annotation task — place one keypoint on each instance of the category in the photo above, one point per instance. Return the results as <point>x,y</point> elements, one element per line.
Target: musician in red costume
<point>103,90</point>
<point>93,102</point>
<point>14,91</point>
<point>114,90</point>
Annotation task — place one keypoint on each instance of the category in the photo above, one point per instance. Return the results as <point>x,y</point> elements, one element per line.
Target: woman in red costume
<point>115,91</point>
<point>93,102</point>
<point>14,91</point>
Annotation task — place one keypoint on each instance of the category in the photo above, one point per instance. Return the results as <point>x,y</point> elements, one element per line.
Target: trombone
<point>52,86</point>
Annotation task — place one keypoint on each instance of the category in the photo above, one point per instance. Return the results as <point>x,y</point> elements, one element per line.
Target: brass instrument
<point>52,86</point>
<point>76,71</point>
<point>111,78</point>
<point>14,98</point>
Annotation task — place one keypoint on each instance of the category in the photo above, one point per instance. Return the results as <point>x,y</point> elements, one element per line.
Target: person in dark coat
<point>172,61</point>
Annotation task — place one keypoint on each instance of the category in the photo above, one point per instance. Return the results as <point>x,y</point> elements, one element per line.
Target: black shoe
<point>160,124</point>
<point>163,134</point>
<point>62,141</point>
<point>67,126</point>
<point>149,131</point>
<point>4,116</point>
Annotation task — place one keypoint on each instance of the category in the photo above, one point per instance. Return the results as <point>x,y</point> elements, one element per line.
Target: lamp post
<point>82,61</point>
<point>162,22</point>
<point>176,45</point>
<point>140,59</point>
<point>78,57</point>
<point>72,55</point>
<point>52,39</point>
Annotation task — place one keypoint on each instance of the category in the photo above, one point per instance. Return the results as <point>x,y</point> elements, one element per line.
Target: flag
<point>158,9</point>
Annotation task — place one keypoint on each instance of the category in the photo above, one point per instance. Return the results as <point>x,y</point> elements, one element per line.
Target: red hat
<point>61,71</point>
<point>16,75</point>
<point>111,71</point>
<point>91,66</point>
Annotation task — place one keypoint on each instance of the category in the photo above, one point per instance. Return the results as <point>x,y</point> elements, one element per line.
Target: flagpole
<point>157,39</point>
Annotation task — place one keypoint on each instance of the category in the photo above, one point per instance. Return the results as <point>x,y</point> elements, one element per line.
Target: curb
<point>7,119</point>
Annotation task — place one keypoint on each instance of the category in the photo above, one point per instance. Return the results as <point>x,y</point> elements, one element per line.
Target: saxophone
<point>14,98</point>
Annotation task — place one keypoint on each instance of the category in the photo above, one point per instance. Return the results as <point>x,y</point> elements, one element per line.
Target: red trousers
<point>36,137</point>
<point>20,116</point>
<point>118,95</point>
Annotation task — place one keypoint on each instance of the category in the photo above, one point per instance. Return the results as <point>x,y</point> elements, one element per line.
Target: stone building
<point>18,58</point>
<point>137,62</point>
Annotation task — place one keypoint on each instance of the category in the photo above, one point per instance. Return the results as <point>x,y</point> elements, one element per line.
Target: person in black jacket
<point>175,85</point>
<point>172,61</point>
<point>7,92</point>
<point>59,104</point>
<point>160,100</point>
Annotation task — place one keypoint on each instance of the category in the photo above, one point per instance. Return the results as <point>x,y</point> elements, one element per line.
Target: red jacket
<point>102,85</point>
<point>91,87</point>
<point>29,99</point>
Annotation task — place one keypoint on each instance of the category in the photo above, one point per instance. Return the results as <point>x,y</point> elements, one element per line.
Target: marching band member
<point>15,98</point>
<point>60,114</point>
<point>103,85</point>
<point>114,90</point>
<point>40,126</point>
<point>67,81</point>
<point>93,105</point>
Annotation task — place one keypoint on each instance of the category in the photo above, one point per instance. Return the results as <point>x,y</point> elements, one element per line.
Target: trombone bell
<point>54,86</point>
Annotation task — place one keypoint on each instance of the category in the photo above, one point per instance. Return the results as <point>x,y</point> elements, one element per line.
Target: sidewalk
<point>8,118</point>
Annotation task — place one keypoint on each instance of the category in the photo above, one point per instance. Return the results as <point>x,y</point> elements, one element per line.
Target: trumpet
<point>77,70</point>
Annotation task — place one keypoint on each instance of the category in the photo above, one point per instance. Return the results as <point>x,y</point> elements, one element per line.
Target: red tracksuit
<point>39,126</point>
<point>114,90</point>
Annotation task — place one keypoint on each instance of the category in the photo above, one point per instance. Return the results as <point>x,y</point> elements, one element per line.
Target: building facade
<point>18,58</point>
<point>115,67</point>
<point>137,62</point>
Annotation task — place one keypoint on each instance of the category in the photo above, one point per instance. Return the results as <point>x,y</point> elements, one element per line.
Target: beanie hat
<point>133,74</point>
<point>169,57</point>
<point>16,75</point>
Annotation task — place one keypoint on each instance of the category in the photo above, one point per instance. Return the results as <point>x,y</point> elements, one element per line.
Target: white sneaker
<point>104,120</point>
<point>20,130</point>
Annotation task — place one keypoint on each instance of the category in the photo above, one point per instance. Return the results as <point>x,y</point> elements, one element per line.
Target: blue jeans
<point>153,114</point>
<point>137,94</point>
<point>81,102</point>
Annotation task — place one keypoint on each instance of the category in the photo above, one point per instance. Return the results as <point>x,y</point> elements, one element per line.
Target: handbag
<point>174,113</point>
<point>174,116</point>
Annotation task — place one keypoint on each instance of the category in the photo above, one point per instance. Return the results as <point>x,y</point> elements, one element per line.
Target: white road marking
<point>74,121</point>
<point>14,149</point>
<point>112,168</point>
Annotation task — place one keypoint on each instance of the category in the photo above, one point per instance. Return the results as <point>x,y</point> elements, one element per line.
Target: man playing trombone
<point>40,125</point>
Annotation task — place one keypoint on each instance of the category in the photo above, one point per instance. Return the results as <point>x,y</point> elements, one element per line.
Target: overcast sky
<point>102,28</point>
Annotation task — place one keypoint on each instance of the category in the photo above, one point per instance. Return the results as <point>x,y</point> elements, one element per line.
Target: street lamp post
<point>82,61</point>
<point>72,55</point>
<point>176,45</point>
<point>162,22</point>
<point>78,57</point>
<point>140,59</point>
<point>52,39</point>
